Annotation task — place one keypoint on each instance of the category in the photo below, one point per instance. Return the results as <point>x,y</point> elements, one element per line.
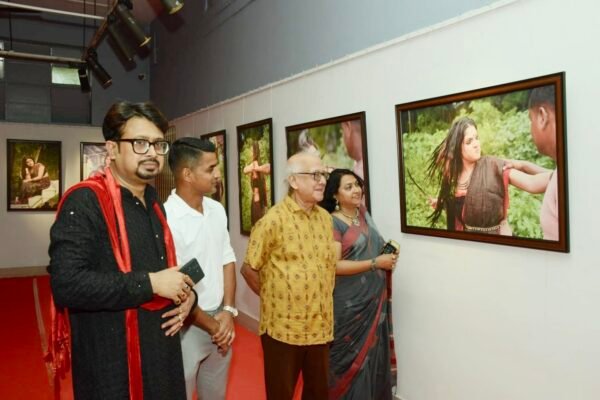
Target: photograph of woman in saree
<point>256,172</point>
<point>473,189</point>
<point>361,354</point>
<point>34,178</point>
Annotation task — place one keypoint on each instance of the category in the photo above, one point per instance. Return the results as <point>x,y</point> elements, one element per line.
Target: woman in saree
<point>474,188</point>
<point>360,355</point>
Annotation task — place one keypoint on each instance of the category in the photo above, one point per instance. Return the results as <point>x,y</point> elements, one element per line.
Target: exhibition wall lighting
<point>126,33</point>
<point>103,77</point>
<point>122,10</point>
<point>84,81</point>
<point>118,37</point>
<point>172,6</point>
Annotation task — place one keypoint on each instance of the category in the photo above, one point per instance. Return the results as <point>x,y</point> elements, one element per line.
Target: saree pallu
<point>360,355</point>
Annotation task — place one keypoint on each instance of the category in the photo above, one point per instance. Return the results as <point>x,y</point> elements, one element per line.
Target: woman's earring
<point>337,205</point>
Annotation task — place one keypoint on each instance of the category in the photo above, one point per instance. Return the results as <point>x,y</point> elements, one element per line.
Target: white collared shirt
<point>205,237</point>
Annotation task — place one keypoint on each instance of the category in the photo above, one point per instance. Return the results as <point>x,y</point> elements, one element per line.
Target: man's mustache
<point>154,160</point>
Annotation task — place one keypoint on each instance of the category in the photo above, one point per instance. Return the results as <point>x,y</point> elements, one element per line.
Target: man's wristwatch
<point>231,310</point>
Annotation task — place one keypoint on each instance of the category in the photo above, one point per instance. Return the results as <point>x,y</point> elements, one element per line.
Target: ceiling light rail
<point>49,10</point>
<point>72,62</point>
<point>121,26</point>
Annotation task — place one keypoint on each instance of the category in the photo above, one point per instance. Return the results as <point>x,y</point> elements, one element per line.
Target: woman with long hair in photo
<point>473,189</point>
<point>361,353</point>
<point>34,178</point>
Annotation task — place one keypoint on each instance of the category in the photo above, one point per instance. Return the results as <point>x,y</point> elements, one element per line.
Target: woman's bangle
<point>373,264</point>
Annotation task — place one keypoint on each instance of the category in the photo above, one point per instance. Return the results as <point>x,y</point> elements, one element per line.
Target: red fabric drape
<point>108,192</point>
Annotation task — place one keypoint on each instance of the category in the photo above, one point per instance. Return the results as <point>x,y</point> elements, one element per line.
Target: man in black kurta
<point>86,278</point>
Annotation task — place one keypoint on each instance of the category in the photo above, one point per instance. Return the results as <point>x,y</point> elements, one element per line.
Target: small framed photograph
<point>487,165</point>
<point>219,140</point>
<point>255,172</point>
<point>341,142</point>
<point>93,159</point>
<point>34,175</point>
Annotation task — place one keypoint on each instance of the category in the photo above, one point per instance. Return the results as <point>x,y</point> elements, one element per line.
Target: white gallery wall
<point>472,321</point>
<point>25,236</point>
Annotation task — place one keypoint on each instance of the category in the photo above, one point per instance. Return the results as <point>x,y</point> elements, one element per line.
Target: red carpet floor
<point>26,324</point>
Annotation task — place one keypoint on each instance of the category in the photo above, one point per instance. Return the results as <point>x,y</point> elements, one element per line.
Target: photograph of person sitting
<point>34,178</point>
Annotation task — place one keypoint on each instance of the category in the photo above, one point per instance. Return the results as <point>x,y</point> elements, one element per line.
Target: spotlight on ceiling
<point>123,12</point>
<point>120,41</point>
<point>84,81</point>
<point>172,6</point>
<point>103,77</point>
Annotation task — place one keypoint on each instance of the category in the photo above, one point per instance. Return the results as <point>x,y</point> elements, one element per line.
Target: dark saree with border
<point>361,353</point>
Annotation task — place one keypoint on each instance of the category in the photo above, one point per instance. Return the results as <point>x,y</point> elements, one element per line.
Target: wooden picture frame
<point>255,171</point>
<point>341,142</point>
<point>92,159</point>
<point>469,163</point>
<point>219,139</point>
<point>34,175</point>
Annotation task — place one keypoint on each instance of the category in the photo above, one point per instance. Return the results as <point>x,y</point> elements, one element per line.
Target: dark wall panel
<point>203,59</point>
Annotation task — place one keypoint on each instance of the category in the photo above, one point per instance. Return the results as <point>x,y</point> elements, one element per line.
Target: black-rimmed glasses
<point>316,175</point>
<point>141,146</point>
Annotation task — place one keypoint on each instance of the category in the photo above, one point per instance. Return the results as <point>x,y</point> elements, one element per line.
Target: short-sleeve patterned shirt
<point>294,254</point>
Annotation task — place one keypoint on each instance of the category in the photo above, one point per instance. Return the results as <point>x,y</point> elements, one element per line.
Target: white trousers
<point>205,369</point>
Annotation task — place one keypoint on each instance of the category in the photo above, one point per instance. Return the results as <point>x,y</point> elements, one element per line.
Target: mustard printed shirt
<point>294,254</point>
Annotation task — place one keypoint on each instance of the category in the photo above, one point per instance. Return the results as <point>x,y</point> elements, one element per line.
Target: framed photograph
<point>34,176</point>
<point>487,165</point>
<point>219,140</point>
<point>341,142</point>
<point>93,159</point>
<point>255,172</point>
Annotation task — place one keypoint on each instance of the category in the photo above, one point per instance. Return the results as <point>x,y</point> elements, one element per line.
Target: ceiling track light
<point>119,40</point>
<point>172,6</point>
<point>100,73</point>
<point>131,24</point>
<point>84,80</point>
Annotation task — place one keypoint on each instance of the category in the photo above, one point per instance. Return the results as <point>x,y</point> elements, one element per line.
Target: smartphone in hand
<point>193,269</point>
<point>391,247</point>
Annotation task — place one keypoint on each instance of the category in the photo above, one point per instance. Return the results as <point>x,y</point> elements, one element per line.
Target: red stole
<point>108,192</point>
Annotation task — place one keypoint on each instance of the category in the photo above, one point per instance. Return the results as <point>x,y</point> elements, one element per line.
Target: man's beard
<point>147,175</point>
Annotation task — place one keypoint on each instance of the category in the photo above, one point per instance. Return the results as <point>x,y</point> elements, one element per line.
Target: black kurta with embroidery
<point>85,278</point>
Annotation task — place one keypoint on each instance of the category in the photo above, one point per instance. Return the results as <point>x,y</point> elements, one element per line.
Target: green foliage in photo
<point>329,143</point>
<point>261,135</point>
<point>504,132</point>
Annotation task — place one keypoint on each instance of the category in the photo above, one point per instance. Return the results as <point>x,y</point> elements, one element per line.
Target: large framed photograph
<point>341,142</point>
<point>34,176</point>
<point>93,159</point>
<point>219,140</point>
<point>255,172</point>
<point>487,165</point>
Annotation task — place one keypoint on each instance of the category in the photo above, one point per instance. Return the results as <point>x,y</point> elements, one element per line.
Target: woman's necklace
<point>464,185</point>
<point>355,221</point>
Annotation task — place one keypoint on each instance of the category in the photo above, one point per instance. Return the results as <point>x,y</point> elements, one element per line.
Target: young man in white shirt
<point>199,227</point>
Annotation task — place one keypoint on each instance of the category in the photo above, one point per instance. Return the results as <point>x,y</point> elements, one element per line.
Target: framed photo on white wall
<point>487,165</point>
<point>34,175</point>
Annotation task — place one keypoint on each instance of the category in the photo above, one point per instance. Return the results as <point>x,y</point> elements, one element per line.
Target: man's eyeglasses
<point>316,175</point>
<point>141,146</point>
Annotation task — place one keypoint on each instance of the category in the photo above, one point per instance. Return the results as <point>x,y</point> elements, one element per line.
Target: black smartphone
<point>391,247</point>
<point>193,269</point>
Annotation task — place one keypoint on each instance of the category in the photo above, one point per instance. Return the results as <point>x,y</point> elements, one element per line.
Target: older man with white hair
<point>290,264</point>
